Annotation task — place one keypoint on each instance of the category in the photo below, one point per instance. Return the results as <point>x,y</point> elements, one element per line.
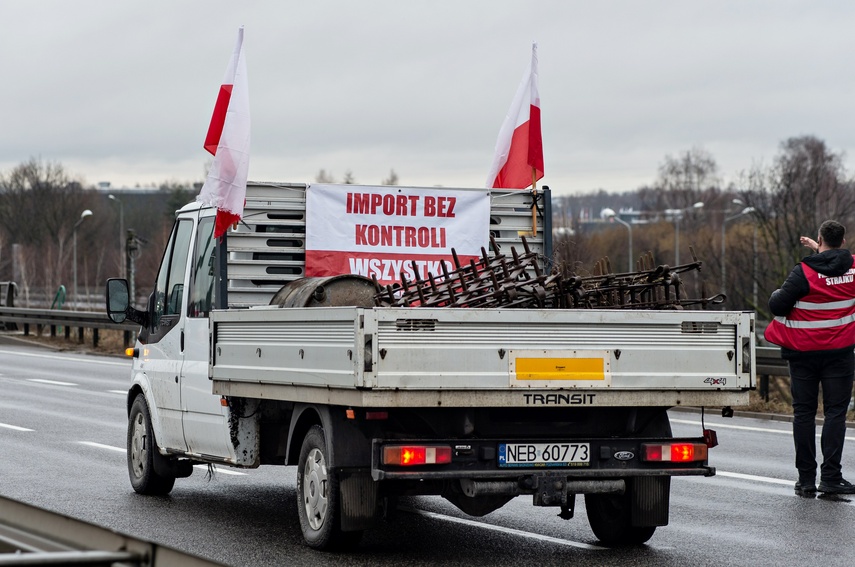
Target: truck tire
<point>610,517</point>
<point>142,452</point>
<point>318,497</point>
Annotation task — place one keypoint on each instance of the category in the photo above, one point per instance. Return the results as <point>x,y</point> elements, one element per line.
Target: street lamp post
<point>742,213</point>
<point>83,215</point>
<point>610,214</point>
<point>678,216</point>
<point>121,234</point>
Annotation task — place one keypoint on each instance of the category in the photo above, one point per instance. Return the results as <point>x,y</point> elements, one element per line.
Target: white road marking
<point>502,529</point>
<point>755,478</point>
<point>52,382</point>
<point>122,450</point>
<point>123,392</point>
<point>741,427</point>
<point>219,470</point>
<point>100,446</point>
<point>84,358</point>
<point>14,427</point>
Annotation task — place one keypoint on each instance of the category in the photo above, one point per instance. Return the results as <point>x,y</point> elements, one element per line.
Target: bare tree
<point>39,206</point>
<point>392,179</point>
<point>805,185</point>
<point>324,177</point>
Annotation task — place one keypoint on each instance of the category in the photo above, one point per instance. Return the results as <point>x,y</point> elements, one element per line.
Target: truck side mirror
<point>119,307</point>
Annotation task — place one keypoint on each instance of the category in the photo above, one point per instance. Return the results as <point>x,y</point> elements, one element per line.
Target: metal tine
<point>504,265</point>
<point>525,245</point>
<point>457,265</point>
<point>495,245</point>
<point>484,257</point>
<point>432,281</point>
<point>404,283</point>
<point>419,286</point>
<point>391,291</point>
<point>447,282</point>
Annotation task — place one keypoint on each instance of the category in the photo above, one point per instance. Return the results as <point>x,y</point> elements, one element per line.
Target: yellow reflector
<point>560,369</point>
<point>129,351</point>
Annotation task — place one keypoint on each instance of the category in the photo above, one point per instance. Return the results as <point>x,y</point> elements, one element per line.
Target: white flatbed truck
<point>373,403</point>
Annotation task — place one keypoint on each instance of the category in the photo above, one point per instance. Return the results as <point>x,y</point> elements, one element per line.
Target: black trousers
<point>835,373</point>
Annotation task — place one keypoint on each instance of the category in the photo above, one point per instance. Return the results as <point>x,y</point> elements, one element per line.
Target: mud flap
<point>359,498</point>
<point>174,468</point>
<point>651,498</point>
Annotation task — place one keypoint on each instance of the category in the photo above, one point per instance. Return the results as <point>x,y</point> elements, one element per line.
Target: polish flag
<point>518,162</point>
<point>228,141</point>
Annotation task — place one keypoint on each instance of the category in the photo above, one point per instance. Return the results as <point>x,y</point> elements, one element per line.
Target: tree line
<point>43,211</point>
<point>756,221</point>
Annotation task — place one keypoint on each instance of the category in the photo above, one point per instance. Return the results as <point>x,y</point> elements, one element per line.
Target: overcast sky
<point>123,92</point>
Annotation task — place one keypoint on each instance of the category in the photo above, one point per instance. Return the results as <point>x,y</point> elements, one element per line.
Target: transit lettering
<point>559,399</point>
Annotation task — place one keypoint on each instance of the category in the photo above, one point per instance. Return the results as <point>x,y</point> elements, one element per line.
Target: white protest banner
<point>380,231</point>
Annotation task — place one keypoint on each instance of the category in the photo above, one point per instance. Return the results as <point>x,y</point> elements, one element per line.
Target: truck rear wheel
<point>318,497</point>
<point>142,452</point>
<point>610,517</point>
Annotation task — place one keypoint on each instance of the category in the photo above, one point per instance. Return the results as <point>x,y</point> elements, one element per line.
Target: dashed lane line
<point>51,382</point>
<point>502,529</point>
<point>14,427</point>
<point>100,446</point>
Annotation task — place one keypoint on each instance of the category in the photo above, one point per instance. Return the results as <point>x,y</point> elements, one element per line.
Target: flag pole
<point>533,202</point>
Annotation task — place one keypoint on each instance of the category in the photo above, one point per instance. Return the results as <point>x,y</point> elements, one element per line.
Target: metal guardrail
<point>33,536</point>
<point>769,361</point>
<point>56,318</point>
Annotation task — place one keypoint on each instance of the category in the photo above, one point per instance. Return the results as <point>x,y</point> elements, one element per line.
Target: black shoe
<point>837,487</point>
<point>806,488</point>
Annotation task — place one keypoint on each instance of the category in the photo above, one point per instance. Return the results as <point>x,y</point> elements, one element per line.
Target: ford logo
<point>624,455</point>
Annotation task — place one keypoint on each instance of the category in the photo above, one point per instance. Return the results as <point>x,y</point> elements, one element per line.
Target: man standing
<point>815,326</point>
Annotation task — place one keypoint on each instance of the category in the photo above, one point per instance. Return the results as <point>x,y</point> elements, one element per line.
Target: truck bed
<point>490,357</point>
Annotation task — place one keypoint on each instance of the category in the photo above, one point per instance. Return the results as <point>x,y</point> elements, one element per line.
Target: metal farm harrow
<point>519,282</point>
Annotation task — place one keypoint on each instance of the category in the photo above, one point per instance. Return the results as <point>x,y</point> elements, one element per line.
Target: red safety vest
<point>824,319</point>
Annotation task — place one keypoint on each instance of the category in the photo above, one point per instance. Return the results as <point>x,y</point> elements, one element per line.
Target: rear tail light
<point>410,455</point>
<point>674,452</point>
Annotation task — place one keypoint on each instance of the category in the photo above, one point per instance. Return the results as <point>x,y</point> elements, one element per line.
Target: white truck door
<point>205,419</point>
<point>161,357</point>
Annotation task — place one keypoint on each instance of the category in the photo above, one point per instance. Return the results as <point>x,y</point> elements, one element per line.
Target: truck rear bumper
<point>488,460</point>
<point>514,474</point>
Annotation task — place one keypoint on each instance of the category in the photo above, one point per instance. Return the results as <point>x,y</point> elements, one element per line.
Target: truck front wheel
<point>142,452</point>
<point>318,496</point>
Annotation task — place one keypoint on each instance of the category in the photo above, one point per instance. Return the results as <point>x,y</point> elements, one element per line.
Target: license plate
<point>544,454</point>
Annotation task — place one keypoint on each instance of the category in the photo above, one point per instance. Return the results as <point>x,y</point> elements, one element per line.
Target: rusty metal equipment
<point>334,291</point>
<point>519,282</point>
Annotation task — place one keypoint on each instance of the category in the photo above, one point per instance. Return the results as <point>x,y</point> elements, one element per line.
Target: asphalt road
<point>62,438</point>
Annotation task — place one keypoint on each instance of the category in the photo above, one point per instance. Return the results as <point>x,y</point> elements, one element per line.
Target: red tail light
<point>674,452</point>
<point>409,455</point>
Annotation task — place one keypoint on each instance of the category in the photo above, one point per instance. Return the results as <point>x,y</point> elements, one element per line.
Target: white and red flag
<point>228,141</point>
<point>518,162</point>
